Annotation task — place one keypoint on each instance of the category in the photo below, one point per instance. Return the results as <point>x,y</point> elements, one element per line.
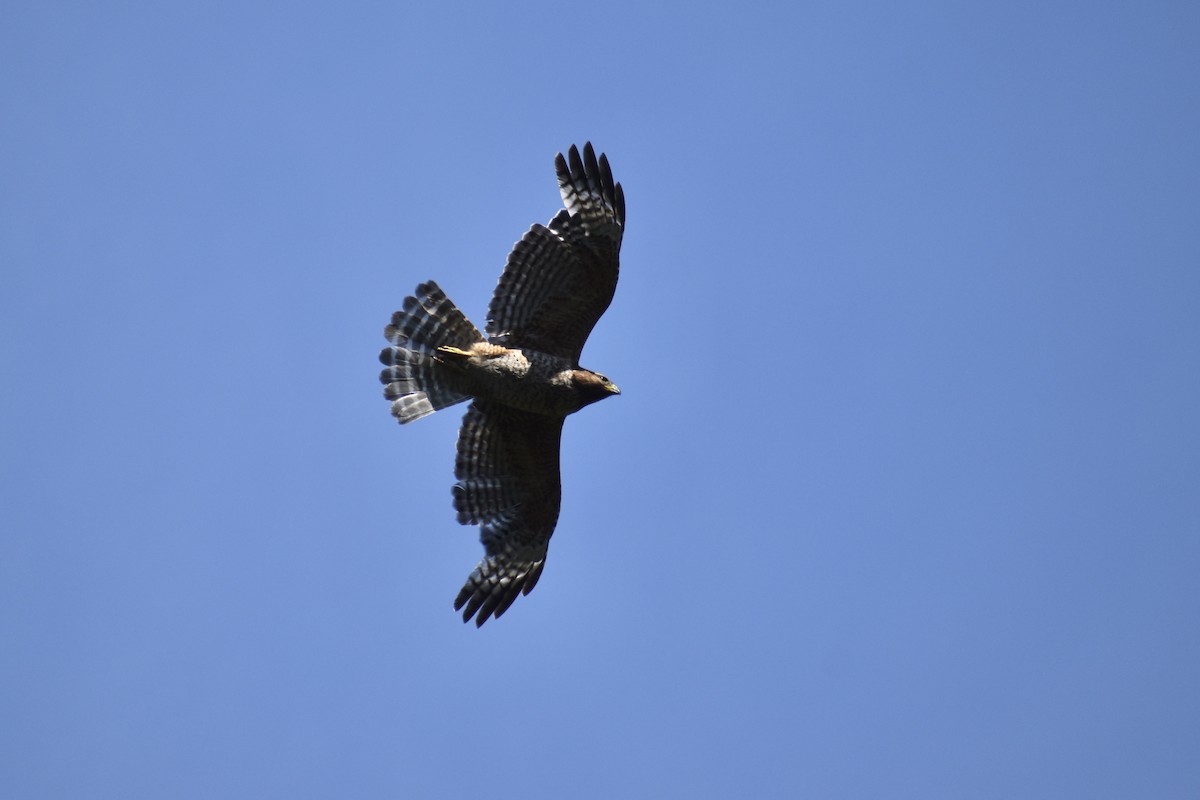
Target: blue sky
<point>901,499</point>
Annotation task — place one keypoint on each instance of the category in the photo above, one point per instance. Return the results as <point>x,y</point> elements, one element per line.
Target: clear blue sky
<point>901,500</point>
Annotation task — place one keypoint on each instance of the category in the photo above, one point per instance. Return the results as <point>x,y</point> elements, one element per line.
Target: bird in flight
<point>523,377</point>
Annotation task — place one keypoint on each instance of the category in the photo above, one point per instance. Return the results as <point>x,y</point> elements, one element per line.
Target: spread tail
<point>416,380</point>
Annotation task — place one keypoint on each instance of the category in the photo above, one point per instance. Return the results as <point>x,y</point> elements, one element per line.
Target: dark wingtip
<point>474,602</point>
<point>575,171</point>
<point>576,162</point>
<point>485,599</point>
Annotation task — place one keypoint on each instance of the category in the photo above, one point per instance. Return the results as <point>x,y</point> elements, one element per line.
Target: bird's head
<point>592,386</point>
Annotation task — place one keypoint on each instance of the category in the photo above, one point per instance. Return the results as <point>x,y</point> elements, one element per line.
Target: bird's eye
<point>602,379</point>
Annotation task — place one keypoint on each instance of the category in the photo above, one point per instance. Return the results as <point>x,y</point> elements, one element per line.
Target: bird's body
<point>523,378</point>
<point>528,380</point>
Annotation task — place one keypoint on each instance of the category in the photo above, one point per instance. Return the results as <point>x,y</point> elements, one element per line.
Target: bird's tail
<point>416,381</point>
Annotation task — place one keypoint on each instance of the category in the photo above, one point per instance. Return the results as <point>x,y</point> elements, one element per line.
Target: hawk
<point>523,378</point>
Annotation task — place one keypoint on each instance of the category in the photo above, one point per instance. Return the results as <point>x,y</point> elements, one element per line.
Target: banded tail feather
<point>415,379</point>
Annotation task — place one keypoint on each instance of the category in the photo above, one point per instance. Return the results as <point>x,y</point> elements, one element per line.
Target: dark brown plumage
<point>523,379</point>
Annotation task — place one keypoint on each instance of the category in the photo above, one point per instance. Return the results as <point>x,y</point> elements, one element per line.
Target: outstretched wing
<point>508,484</point>
<point>561,277</point>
